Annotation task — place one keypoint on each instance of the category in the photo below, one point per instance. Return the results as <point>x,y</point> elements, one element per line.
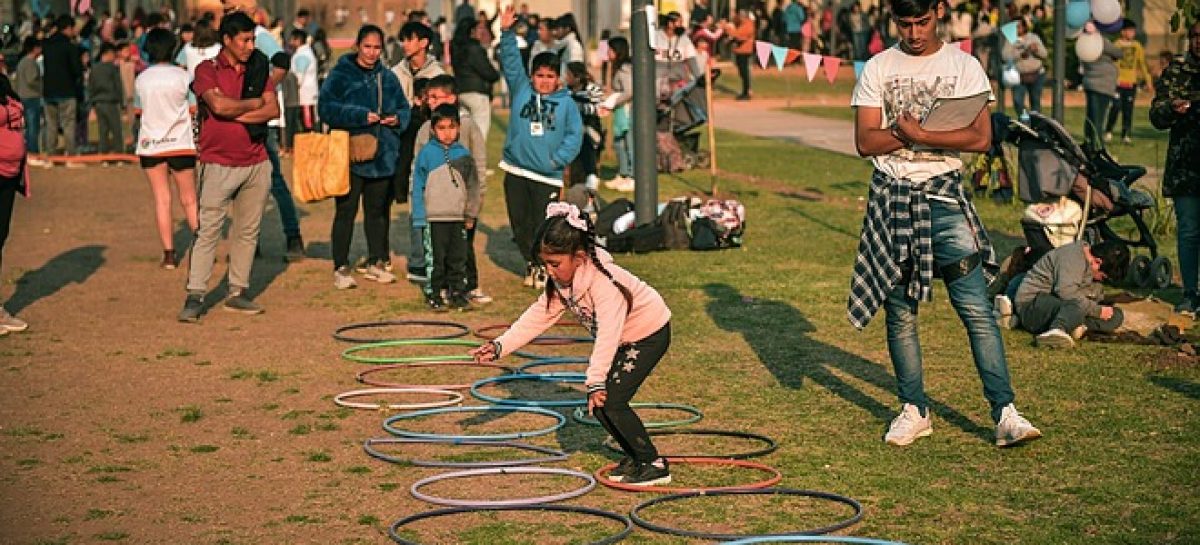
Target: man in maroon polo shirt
<point>235,175</point>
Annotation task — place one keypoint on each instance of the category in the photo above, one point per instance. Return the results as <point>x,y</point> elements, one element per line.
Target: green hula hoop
<point>351,353</point>
<point>582,416</point>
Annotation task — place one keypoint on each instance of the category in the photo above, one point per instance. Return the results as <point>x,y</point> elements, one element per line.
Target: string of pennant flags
<point>814,63</point>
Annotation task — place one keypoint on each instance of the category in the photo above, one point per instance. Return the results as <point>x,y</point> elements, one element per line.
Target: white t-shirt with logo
<point>897,82</point>
<point>673,53</point>
<point>161,91</point>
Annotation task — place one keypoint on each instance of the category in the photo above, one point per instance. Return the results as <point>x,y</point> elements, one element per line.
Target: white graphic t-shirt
<point>897,82</point>
<point>166,127</point>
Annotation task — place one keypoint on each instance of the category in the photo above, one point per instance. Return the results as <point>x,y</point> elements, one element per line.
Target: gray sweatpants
<point>241,194</point>
<point>108,123</point>
<point>60,114</point>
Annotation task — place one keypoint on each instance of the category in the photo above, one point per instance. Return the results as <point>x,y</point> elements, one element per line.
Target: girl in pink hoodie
<point>628,319</point>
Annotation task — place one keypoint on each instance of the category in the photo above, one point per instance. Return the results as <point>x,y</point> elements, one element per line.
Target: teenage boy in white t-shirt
<point>919,217</point>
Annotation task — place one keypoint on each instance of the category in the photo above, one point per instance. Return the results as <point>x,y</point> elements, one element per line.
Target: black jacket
<point>63,68</point>
<point>473,71</point>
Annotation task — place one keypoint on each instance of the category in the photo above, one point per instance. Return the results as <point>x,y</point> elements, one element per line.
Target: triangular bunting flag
<point>779,53</point>
<point>858,68</point>
<point>602,50</point>
<point>1010,32</point>
<point>812,63</point>
<point>965,45</point>
<point>792,56</point>
<point>831,67</point>
<point>764,52</point>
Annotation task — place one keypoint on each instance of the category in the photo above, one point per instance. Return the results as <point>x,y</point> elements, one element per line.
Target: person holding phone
<point>363,97</point>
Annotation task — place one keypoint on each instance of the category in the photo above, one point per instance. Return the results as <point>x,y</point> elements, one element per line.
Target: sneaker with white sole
<point>10,323</point>
<point>1002,309</point>
<point>908,426</point>
<point>656,473</point>
<point>379,274</point>
<point>1055,338</point>
<point>239,303</point>
<point>617,181</point>
<point>1014,429</point>
<point>624,467</point>
<point>528,280</point>
<point>478,297</point>
<point>1079,332</point>
<point>40,163</point>
<point>343,280</point>
<point>626,186</point>
<point>74,165</point>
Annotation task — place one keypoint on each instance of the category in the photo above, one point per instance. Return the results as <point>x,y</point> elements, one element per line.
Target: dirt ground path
<point>118,423</point>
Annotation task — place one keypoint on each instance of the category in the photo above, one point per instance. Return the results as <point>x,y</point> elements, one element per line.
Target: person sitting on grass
<point>445,203</point>
<point>1059,298</point>
<point>919,217</point>
<point>628,318</point>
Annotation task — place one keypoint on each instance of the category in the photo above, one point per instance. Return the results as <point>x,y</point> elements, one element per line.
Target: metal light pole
<point>1060,58</point>
<point>645,164</point>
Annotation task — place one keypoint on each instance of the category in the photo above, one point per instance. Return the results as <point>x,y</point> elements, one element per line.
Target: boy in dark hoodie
<point>445,203</point>
<point>107,95</point>
<point>545,132</point>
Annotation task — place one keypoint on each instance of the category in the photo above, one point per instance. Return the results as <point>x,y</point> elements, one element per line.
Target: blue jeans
<point>624,147</point>
<point>1187,218</point>
<point>279,189</point>
<point>1097,115</point>
<point>1033,91</point>
<point>416,250</point>
<point>33,123</point>
<point>952,241</point>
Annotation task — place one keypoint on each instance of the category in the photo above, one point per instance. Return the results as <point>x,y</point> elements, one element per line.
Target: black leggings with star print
<point>631,365</point>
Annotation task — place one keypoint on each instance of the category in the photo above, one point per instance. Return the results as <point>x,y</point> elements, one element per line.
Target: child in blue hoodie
<point>544,135</point>
<point>445,203</point>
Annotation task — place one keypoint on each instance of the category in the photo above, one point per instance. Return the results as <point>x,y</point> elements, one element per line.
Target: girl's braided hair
<point>556,235</point>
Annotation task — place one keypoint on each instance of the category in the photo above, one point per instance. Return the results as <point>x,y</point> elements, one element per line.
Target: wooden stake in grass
<point>712,129</point>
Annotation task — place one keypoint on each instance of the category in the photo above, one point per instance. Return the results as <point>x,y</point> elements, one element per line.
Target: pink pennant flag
<point>965,45</point>
<point>831,67</point>
<point>812,63</point>
<point>84,6</point>
<point>602,50</point>
<point>764,52</point>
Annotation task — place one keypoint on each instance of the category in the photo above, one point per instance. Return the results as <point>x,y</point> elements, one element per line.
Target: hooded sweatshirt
<point>1064,272</point>
<point>405,73</point>
<point>526,154</point>
<point>600,307</point>
<point>445,185</point>
<point>349,94</point>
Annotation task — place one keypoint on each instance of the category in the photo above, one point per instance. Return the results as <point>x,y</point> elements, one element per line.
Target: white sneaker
<point>1002,310</point>
<point>592,182</point>
<point>75,165</point>
<point>1014,429</point>
<point>1079,332</point>
<point>627,186</point>
<point>1055,338</point>
<point>1108,137</point>
<point>342,279</point>
<point>10,323</point>
<point>41,163</point>
<point>379,274</point>
<point>477,297</point>
<point>908,426</point>
<point>615,182</point>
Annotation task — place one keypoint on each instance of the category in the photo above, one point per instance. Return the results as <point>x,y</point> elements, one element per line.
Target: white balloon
<point>1010,77</point>
<point>1089,47</point>
<point>1106,12</point>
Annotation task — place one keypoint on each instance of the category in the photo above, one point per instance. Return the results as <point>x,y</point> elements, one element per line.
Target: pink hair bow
<point>569,211</point>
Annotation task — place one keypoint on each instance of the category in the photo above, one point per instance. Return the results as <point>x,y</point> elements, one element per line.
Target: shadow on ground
<point>779,334</point>
<point>71,267</point>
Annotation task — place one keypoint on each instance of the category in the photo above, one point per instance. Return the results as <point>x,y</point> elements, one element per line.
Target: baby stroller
<point>1073,192</point>
<point>679,119</point>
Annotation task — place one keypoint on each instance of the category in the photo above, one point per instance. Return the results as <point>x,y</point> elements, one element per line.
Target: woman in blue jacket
<point>544,135</point>
<point>363,97</point>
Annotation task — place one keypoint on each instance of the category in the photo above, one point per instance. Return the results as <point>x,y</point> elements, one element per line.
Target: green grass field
<point>762,344</point>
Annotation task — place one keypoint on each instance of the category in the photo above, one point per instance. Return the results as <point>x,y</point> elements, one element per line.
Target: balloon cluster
<point>1087,19</point>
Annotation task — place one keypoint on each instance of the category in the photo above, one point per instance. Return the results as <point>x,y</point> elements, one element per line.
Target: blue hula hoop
<point>811,539</point>
<point>524,368</point>
<point>560,421</point>
<point>352,353</point>
<point>570,378</point>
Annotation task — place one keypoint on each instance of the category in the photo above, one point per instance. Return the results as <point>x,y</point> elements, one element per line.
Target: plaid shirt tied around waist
<point>898,228</point>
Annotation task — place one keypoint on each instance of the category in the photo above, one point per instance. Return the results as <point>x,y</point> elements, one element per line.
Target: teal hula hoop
<point>569,378</point>
<point>352,352</point>
<point>560,421</point>
<point>582,417</point>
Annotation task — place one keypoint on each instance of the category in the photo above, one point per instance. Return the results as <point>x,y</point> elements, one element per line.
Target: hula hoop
<point>363,376</point>
<point>582,416</point>
<point>770,447</point>
<point>552,455</point>
<point>812,539</point>
<point>858,513</point>
<point>453,399</point>
<point>570,378</point>
<point>340,335</point>
<point>393,530</point>
<point>775,477</point>
<point>525,367</point>
<point>352,352</point>
<point>545,340</point>
<point>560,421</point>
<point>588,479</point>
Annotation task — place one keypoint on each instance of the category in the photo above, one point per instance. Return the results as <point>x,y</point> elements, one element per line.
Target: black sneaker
<point>238,302</point>
<point>436,303</point>
<point>655,473</point>
<point>624,467</point>
<point>295,249</point>
<point>192,308</point>
<point>460,302</point>
<point>417,276</point>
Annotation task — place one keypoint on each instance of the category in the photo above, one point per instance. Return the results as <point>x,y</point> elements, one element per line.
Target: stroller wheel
<point>1160,271</point>
<point>1139,271</point>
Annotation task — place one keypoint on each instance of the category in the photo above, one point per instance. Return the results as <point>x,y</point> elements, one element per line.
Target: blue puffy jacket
<point>349,94</point>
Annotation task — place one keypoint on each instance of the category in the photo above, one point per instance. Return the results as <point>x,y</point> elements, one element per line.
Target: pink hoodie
<point>600,307</point>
